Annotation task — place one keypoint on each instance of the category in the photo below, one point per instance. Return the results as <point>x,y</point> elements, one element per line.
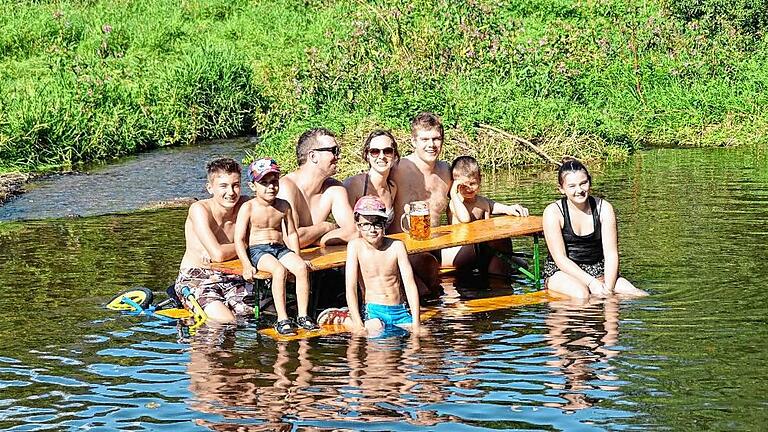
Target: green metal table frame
<point>533,273</point>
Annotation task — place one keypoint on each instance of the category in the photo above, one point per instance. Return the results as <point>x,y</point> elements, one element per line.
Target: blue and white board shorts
<point>389,315</point>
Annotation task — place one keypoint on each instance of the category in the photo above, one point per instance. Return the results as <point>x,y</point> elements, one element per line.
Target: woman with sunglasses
<point>380,151</point>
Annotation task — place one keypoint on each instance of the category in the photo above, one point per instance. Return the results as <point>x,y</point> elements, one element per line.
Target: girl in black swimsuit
<point>581,237</point>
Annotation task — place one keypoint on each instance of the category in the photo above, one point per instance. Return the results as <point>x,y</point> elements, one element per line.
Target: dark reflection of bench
<point>442,237</point>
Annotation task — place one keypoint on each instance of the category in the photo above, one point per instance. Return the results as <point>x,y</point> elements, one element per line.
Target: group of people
<point>286,213</point>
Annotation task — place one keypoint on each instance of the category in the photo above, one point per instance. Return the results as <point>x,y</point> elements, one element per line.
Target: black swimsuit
<point>586,250</point>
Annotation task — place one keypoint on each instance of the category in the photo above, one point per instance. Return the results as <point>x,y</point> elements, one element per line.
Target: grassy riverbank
<point>91,80</point>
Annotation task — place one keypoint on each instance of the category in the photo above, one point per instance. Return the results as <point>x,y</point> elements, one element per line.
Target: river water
<point>693,228</point>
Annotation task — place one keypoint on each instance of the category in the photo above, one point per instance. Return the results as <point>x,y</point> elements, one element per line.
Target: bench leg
<point>314,297</point>
<point>536,262</point>
<point>534,272</point>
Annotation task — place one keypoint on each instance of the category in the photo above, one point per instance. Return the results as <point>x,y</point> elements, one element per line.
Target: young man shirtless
<point>422,176</point>
<point>468,205</point>
<point>259,243</point>
<point>209,232</point>
<point>314,194</point>
<point>377,265</point>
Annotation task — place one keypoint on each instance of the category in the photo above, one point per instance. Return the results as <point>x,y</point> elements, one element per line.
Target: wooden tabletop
<point>442,237</point>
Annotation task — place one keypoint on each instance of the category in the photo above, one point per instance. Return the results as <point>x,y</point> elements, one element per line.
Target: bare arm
<point>241,240</point>
<point>201,225</point>
<point>507,209</point>
<point>352,273</point>
<point>553,234</point>
<point>342,214</point>
<point>409,283</point>
<point>291,235</point>
<point>459,211</point>
<point>609,234</point>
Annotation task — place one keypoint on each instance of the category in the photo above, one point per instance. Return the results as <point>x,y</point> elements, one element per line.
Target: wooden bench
<point>445,236</point>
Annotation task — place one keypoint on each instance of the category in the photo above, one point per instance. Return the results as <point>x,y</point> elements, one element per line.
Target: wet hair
<point>426,120</point>
<point>307,141</point>
<point>378,133</point>
<point>568,166</point>
<point>465,166</point>
<point>222,165</point>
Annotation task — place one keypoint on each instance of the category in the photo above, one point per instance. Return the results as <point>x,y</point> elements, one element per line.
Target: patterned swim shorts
<point>550,268</point>
<point>210,285</point>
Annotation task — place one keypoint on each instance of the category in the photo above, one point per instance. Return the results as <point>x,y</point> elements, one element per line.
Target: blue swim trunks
<point>389,315</point>
<point>277,250</point>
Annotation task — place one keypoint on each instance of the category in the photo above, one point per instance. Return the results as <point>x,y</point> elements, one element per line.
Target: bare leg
<point>219,312</point>
<point>624,288</point>
<point>461,257</point>
<point>271,264</point>
<point>562,283</point>
<point>374,327</point>
<point>298,267</point>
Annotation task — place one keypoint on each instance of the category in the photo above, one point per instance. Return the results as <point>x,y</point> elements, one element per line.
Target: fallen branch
<point>523,141</point>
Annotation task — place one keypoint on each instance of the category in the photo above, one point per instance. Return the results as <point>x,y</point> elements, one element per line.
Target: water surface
<point>690,357</point>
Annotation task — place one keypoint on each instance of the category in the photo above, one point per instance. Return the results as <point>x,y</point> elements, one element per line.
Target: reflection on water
<point>691,356</point>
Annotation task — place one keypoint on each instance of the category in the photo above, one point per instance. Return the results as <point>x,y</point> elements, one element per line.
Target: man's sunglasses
<point>335,150</point>
<point>375,152</point>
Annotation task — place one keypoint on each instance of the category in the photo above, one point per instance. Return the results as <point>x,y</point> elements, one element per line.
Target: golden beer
<point>419,226</point>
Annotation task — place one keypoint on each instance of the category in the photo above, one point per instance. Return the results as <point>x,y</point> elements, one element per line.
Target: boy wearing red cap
<point>260,245</point>
<point>378,265</point>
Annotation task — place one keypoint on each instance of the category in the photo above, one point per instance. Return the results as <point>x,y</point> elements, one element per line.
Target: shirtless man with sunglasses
<point>314,194</point>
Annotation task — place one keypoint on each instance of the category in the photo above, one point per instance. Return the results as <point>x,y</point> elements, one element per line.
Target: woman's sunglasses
<point>375,152</point>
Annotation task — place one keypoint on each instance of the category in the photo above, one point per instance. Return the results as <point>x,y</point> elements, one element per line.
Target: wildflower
<point>106,28</point>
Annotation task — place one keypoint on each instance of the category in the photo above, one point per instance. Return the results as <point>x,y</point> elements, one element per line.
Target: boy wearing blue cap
<point>260,245</point>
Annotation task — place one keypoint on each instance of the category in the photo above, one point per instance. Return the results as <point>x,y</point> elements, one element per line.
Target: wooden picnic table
<point>442,237</point>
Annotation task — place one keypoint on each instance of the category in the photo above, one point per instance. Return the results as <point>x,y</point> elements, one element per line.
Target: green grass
<point>92,80</point>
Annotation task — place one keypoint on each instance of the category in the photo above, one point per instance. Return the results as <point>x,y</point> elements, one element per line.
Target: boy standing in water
<point>467,205</point>
<point>260,245</point>
<point>378,265</point>
<point>209,235</point>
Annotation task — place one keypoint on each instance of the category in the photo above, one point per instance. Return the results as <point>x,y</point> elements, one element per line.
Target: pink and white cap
<point>261,167</point>
<point>370,205</point>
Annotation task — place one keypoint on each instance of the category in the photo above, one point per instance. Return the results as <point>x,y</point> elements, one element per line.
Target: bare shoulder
<point>331,182</point>
<point>354,182</point>
<point>605,208</point>
<point>403,166</point>
<point>200,208</point>
<point>394,244</point>
<point>288,181</point>
<point>552,211</point>
<point>354,244</point>
<point>334,188</point>
<point>443,169</point>
<point>288,188</point>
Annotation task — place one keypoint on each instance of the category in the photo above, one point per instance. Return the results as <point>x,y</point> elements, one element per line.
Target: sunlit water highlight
<point>690,357</point>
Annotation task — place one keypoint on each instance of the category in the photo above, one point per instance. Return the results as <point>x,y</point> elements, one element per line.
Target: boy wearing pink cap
<point>260,245</point>
<point>378,264</point>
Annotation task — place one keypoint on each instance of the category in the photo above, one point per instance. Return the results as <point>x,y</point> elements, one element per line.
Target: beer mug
<point>418,219</point>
